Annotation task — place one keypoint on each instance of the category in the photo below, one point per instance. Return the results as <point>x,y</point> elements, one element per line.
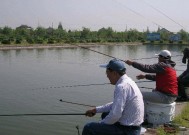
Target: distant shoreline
<point>43,46</point>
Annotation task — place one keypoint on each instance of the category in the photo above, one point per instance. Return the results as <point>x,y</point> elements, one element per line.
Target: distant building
<point>175,37</point>
<point>153,36</point>
<point>24,27</point>
<point>163,30</point>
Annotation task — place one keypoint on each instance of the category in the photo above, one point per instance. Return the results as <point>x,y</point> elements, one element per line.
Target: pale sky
<point>96,14</point>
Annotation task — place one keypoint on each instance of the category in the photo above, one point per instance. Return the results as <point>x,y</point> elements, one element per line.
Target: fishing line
<point>40,114</point>
<point>67,86</point>
<point>80,85</point>
<point>96,84</point>
<point>143,17</point>
<point>164,14</point>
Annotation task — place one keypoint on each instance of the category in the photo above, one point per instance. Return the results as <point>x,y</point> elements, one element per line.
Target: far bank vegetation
<point>25,35</point>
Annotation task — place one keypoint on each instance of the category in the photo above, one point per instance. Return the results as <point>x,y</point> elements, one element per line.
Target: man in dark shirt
<point>183,79</point>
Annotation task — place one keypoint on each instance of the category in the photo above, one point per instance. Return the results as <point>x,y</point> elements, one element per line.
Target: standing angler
<point>183,79</point>
<point>125,114</point>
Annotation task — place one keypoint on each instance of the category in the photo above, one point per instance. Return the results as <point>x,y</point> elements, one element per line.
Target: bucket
<point>159,113</point>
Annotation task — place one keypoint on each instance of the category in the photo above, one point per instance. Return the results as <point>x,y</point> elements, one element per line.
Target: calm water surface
<point>34,80</point>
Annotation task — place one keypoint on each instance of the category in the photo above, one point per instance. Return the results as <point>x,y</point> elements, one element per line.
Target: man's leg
<point>105,129</point>
<point>158,97</point>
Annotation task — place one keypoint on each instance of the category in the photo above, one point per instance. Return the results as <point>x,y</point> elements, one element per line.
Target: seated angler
<point>124,115</point>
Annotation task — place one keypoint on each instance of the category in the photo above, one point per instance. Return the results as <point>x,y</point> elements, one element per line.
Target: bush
<point>39,41</point>
<point>161,41</point>
<point>1,38</point>
<point>143,41</point>
<point>180,42</point>
<point>30,40</point>
<point>170,41</point>
<point>18,41</point>
<point>6,41</point>
<point>82,41</point>
<point>50,41</point>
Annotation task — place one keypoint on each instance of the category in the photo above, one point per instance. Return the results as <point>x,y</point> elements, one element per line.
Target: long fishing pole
<point>76,103</point>
<point>87,104</point>
<point>113,56</point>
<point>156,57</point>
<point>77,127</point>
<point>147,88</point>
<point>80,85</point>
<point>40,114</point>
<point>98,52</point>
<point>144,81</point>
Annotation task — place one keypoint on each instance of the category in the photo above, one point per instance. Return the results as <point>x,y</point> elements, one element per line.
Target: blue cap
<point>115,64</point>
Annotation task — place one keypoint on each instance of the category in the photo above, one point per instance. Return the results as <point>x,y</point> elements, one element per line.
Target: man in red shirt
<point>166,90</point>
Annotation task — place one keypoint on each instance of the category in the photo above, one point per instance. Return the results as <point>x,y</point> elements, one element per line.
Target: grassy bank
<point>181,120</point>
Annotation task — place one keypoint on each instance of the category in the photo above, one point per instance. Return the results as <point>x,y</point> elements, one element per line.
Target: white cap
<point>165,54</point>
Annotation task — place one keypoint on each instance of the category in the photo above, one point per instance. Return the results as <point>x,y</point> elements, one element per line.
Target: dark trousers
<point>95,128</point>
<point>181,91</point>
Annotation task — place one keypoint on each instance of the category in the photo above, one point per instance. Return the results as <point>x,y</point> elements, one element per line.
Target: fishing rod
<point>156,57</point>
<point>144,81</point>
<point>179,70</point>
<point>81,85</point>
<point>87,104</point>
<point>87,48</point>
<point>40,114</point>
<point>147,88</point>
<point>77,127</point>
<point>98,52</point>
<point>76,103</point>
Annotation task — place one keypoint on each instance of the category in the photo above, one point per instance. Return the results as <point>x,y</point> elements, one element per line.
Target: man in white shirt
<point>125,114</point>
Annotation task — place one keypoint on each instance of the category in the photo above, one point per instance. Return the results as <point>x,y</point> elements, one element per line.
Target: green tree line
<point>27,35</point>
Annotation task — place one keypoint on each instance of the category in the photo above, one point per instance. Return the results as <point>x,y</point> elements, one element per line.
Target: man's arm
<point>117,107</point>
<point>155,68</point>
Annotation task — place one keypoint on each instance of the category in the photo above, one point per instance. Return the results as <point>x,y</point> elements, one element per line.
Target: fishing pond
<point>35,81</point>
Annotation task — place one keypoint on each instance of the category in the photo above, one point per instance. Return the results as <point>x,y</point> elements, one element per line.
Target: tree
<point>85,33</point>
<point>184,35</point>
<point>7,31</point>
<point>106,34</point>
<point>133,35</point>
<point>60,26</point>
<point>40,32</point>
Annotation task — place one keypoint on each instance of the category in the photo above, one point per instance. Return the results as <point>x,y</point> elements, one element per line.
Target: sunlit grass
<point>181,120</point>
